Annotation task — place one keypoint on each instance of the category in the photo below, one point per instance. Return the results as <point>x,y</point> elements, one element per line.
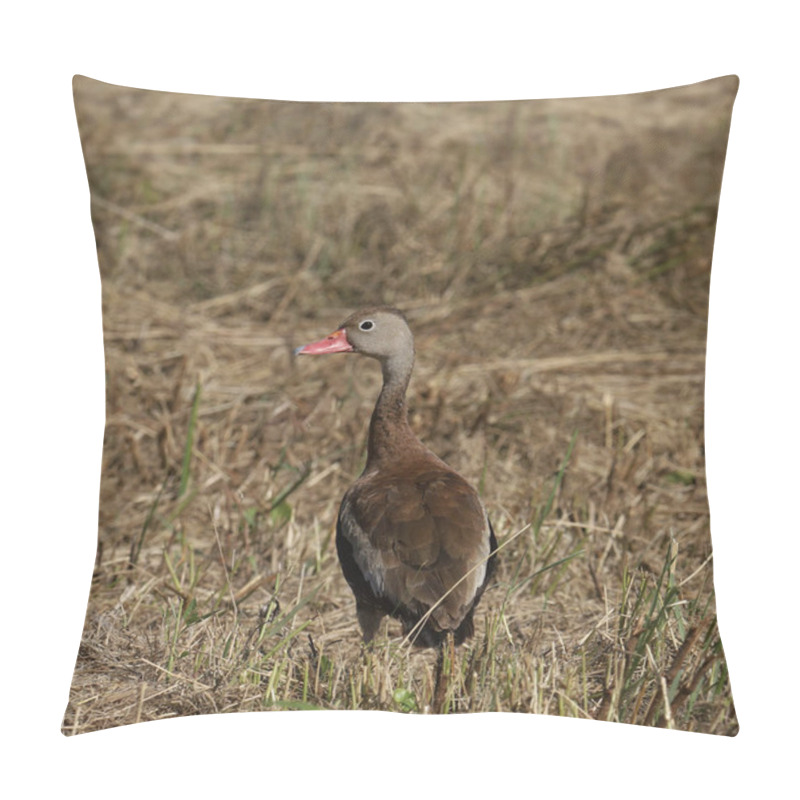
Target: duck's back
<point>411,537</point>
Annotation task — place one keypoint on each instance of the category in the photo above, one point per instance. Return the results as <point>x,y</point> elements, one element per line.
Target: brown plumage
<point>412,534</point>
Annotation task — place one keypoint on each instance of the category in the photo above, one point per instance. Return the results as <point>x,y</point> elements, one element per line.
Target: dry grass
<point>553,259</point>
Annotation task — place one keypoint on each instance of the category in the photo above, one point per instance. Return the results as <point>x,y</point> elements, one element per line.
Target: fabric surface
<point>553,260</point>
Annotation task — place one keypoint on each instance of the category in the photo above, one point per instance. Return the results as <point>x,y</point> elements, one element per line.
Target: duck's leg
<point>369,619</point>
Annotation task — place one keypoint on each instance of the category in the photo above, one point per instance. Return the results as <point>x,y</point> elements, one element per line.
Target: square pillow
<point>552,259</point>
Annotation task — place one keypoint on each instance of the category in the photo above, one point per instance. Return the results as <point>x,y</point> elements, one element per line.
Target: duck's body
<point>413,537</point>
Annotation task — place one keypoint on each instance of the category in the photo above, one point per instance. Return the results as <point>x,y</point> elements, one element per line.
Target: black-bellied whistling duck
<point>413,537</point>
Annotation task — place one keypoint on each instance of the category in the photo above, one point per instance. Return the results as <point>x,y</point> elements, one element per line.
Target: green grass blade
<point>187,452</point>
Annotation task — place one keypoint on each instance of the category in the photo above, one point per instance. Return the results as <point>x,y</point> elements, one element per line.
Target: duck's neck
<point>390,436</point>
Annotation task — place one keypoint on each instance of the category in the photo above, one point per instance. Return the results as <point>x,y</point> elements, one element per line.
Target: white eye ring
<point>366,325</point>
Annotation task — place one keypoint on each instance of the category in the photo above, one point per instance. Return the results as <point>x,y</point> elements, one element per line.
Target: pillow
<point>552,259</point>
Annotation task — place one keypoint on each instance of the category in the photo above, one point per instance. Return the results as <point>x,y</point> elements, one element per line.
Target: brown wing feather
<point>415,537</point>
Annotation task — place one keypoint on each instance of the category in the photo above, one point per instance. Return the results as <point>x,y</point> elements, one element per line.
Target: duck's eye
<point>366,325</point>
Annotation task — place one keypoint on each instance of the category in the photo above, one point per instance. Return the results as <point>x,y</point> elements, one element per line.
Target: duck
<point>413,537</point>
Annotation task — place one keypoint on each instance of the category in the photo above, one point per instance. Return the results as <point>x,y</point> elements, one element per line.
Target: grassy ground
<point>553,259</point>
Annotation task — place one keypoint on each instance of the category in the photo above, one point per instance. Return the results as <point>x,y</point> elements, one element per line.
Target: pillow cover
<point>552,258</point>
